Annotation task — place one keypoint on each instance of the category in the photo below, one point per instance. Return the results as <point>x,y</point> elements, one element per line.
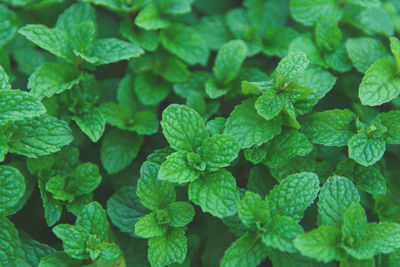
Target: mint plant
<point>199,133</point>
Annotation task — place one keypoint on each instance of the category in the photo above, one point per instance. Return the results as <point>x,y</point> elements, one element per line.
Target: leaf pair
<point>338,128</point>
<point>345,234</point>
<point>87,238</point>
<point>272,223</point>
<point>164,225</point>
<point>199,160</point>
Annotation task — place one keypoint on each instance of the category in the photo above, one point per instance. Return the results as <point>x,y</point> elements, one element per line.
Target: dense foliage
<point>199,133</point>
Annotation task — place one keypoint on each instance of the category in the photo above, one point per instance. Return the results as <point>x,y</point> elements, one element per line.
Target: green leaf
<point>216,193</point>
<point>110,251</point>
<point>277,39</point>
<point>181,213</point>
<point>73,16</point>
<point>56,186</point>
<point>364,51</point>
<point>292,65</point>
<point>248,127</point>
<point>119,149</point>
<point>154,193</point>
<point>229,60</point>
<point>305,44</point>
<point>281,232</point>
<point>74,240</point>
<point>176,169</point>
<point>185,43</point>
<point>53,78</point>
<point>111,50</point>
<point>93,219</point>
<point>380,83</point>
<point>374,20</point>
<point>9,242</point>
<point>327,33</point>
<point>270,104</point>
<point>4,80</point>
<point>60,259</point>
<point>395,48</point>
<point>335,197</point>
<point>32,251</point>
<point>380,238</point>
<point>175,7</point>
<point>216,125</point>
<point>252,210</point>
<point>322,244</point>
<point>167,249</point>
<point>39,136</point>
<point>15,105</point>
<point>294,194</point>
<point>219,150</point>
<point>330,127</point>
<point>52,208</point>
<point>391,120</point>
<point>308,11</point>
<point>8,25</point>
<point>213,29</point>
<point>365,150</point>
<point>368,179</point>
<point>150,89</point>
<point>354,228</point>
<point>149,226</point>
<point>149,18</point>
<point>247,251</point>
<point>125,210</point>
<point>92,124</point>
<point>183,127</point>
<point>84,180</point>
<point>285,146</point>
<point>53,40</point>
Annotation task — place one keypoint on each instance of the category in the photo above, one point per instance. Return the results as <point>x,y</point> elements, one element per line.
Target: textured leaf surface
<point>335,197</point>
<point>248,127</point>
<point>92,124</point>
<point>12,188</point>
<point>15,104</point>
<point>292,65</point>
<point>112,50</point>
<point>219,150</point>
<point>181,213</point>
<point>93,219</point>
<point>177,170</point>
<point>216,193</point>
<point>308,11</point>
<point>252,209</point>
<point>74,240</point>
<point>366,151</point>
<point>9,242</point>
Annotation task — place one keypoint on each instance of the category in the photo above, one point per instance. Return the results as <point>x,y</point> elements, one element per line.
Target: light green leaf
<point>253,211</point>
<point>247,251</point>
<point>92,124</point>
<point>305,44</point>
<point>354,228</point>
<point>149,226</point>
<point>292,65</point>
<point>73,16</point>
<point>277,39</point>
<point>53,40</point>
<point>391,120</point>
<point>53,78</point>
<point>176,7</point>
<point>294,194</point>
<point>39,136</point>
<point>288,144</point>
<point>368,179</point>
<point>125,210</point>
<point>216,193</point>
<point>52,208</point>
<point>365,150</point>
<point>219,150</point>
<point>59,259</point>
<point>84,180</point>
<point>327,33</point>
<point>111,50</point>
<point>167,249</point>
<point>183,127</point>
<point>176,169</point>
<point>4,80</point>
<point>281,232</point>
<point>270,104</point>
<point>308,11</point>
<point>330,127</point>
<point>93,219</point>
<point>153,192</point>
<point>185,43</point>
<point>74,240</point>
<point>9,242</point>
<point>335,197</point>
<point>380,83</point>
<point>322,244</point>
<point>15,105</point>
<point>181,213</point>
<point>118,150</point>
<point>374,20</point>
<point>248,127</point>
<point>214,30</point>
<point>229,60</point>
<point>364,51</point>
<point>149,18</point>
